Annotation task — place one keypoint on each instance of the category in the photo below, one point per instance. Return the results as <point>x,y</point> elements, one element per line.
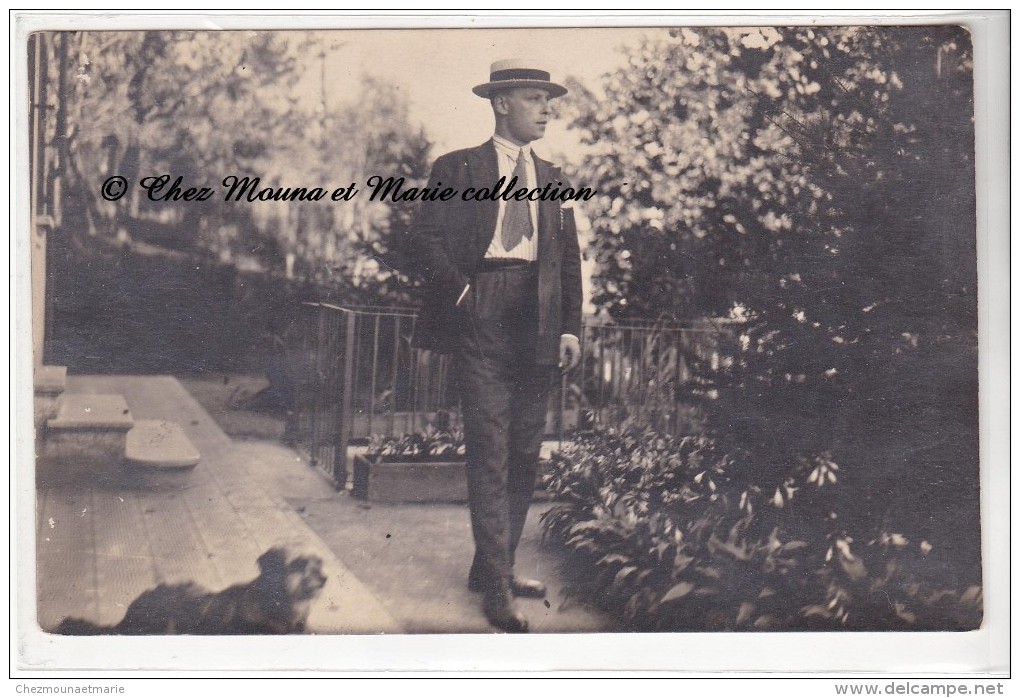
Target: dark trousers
<point>504,395</point>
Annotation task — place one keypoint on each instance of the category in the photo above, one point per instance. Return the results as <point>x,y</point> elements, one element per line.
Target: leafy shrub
<point>666,533</point>
<point>429,445</point>
<point>817,185</point>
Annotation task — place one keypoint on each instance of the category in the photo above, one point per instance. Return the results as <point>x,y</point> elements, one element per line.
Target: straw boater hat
<point>515,72</point>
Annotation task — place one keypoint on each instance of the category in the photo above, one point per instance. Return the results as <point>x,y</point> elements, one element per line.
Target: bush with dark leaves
<point>668,535</point>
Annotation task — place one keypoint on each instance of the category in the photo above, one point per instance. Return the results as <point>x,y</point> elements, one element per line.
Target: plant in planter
<point>430,444</point>
<point>426,466</point>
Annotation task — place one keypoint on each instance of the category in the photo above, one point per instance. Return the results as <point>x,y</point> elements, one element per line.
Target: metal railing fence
<point>354,374</point>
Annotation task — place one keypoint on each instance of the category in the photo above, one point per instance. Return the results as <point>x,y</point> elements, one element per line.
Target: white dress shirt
<point>506,156</point>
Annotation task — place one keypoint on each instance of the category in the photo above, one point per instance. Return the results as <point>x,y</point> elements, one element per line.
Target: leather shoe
<point>519,586</point>
<point>499,609</point>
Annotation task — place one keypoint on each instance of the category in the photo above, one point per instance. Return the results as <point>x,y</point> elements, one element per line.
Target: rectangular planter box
<point>409,482</point>
<point>402,423</point>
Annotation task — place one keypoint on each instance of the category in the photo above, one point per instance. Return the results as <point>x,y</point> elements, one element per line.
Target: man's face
<point>524,113</point>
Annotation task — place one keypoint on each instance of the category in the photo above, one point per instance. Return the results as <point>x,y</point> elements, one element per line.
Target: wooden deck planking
<point>179,553</point>
<point>179,547</point>
<point>42,497</point>
<point>345,604</point>
<point>234,550</point>
<point>124,565</point>
<point>269,520</point>
<point>66,588</point>
<point>65,569</point>
<point>63,520</point>
<point>210,528</point>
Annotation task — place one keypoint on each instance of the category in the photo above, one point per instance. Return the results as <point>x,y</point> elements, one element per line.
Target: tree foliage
<point>191,104</point>
<point>816,186</point>
<point>206,105</point>
<point>354,241</point>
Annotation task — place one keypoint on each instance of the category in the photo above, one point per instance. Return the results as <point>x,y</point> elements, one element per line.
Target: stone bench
<point>159,455</point>
<point>161,445</point>
<point>48,382</point>
<point>86,439</point>
<point>92,413</point>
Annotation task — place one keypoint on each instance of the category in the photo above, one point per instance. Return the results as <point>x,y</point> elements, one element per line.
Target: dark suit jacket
<point>449,238</point>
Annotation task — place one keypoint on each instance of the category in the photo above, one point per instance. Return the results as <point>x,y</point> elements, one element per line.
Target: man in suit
<point>503,295</point>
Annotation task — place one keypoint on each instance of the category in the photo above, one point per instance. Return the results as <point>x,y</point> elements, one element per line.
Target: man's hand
<point>570,352</point>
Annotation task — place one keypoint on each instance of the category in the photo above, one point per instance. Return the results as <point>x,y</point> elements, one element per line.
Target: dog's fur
<point>274,603</point>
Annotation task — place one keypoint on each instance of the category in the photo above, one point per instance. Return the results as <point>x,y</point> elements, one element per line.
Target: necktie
<point>516,216</point>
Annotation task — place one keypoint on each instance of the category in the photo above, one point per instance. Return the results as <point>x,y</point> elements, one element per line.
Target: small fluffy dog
<point>276,602</point>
